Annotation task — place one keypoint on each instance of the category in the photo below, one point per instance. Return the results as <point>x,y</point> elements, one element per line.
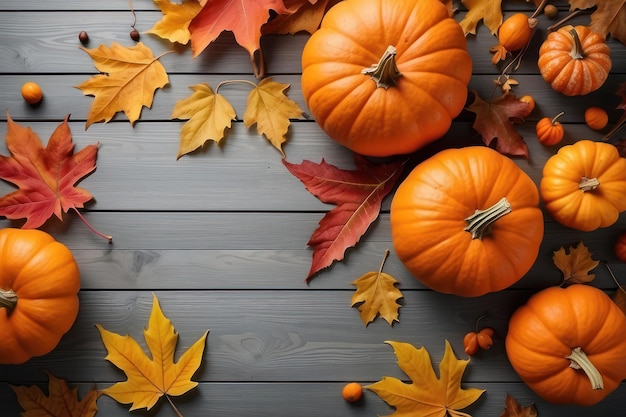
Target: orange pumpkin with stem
<point>584,185</point>
<point>574,60</point>
<point>385,77</point>
<point>568,344</point>
<point>466,221</point>
<point>550,131</point>
<point>39,283</point>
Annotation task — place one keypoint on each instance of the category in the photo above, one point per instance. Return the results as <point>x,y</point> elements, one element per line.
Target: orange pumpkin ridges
<point>360,89</point>
<point>38,272</point>
<point>550,131</point>
<point>573,180</point>
<point>461,240</point>
<point>574,60</point>
<point>568,345</point>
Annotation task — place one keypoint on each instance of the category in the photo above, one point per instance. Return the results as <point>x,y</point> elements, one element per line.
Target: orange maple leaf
<point>176,19</point>
<point>243,18</point>
<point>376,294</point>
<point>306,17</point>
<point>489,11</point>
<point>513,408</point>
<point>46,177</point>
<point>128,80</point>
<point>576,264</point>
<point>61,401</point>
<point>427,395</point>
<point>150,378</point>
<point>495,122</point>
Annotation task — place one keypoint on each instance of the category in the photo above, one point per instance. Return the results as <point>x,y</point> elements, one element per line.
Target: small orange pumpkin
<point>513,34</point>
<point>584,185</point>
<point>386,77</point>
<point>574,60</point>
<point>568,344</point>
<point>39,283</point>
<point>466,221</point>
<point>550,131</point>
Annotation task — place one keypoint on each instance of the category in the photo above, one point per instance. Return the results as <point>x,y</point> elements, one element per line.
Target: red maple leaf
<point>358,196</point>
<point>45,176</point>
<point>495,122</point>
<point>242,17</point>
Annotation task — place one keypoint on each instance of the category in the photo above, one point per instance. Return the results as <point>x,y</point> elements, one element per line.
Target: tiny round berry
<point>83,37</point>
<point>134,35</point>
<point>550,11</point>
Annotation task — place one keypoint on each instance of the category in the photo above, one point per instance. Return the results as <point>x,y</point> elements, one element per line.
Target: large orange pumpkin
<point>568,344</point>
<point>386,77</point>
<point>574,60</point>
<point>466,221</point>
<point>39,283</point>
<point>584,185</point>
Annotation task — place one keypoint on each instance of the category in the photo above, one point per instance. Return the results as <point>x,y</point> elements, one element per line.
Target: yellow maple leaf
<point>376,294</point>
<point>129,77</point>
<point>174,26</point>
<point>150,379</point>
<point>576,264</point>
<point>271,110</point>
<point>489,11</point>
<point>427,395</point>
<point>209,115</point>
<point>61,401</point>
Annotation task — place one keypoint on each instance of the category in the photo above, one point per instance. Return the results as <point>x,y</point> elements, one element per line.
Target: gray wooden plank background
<point>220,235</point>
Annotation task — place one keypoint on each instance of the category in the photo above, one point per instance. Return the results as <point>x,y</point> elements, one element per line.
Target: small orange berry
<point>596,118</point>
<point>485,338</point>
<point>32,92</point>
<point>352,392</point>
<point>470,343</point>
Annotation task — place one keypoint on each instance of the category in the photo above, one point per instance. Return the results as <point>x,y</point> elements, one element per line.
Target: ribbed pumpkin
<point>574,60</point>
<point>584,185</point>
<point>568,344</point>
<point>39,283</point>
<point>466,221</point>
<point>386,77</point>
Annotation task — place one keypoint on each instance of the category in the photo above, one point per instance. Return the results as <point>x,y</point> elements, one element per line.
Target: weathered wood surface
<point>220,236</point>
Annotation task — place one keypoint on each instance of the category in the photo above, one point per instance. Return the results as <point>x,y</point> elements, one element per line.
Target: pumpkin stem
<point>579,360</point>
<point>577,52</point>
<point>479,223</point>
<point>588,184</point>
<point>8,299</point>
<point>385,72</point>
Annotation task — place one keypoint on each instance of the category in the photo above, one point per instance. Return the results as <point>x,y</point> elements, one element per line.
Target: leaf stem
<point>132,10</point>
<point>620,123</point>
<point>225,82</point>
<point>90,227</point>
<point>567,18</point>
<point>619,287</point>
<point>173,406</point>
<point>539,8</point>
<point>385,256</point>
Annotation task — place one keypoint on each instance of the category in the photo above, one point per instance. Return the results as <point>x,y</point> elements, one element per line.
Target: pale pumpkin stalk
<point>588,184</point>
<point>479,223</point>
<point>8,299</point>
<point>385,73</point>
<point>579,360</point>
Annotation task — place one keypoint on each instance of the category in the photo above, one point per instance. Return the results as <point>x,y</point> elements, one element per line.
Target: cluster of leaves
<point>149,378</point>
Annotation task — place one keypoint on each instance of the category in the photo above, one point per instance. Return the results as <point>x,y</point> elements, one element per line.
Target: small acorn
<point>134,35</point>
<point>83,37</point>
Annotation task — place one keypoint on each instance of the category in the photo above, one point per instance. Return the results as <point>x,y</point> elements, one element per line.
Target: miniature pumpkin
<point>584,185</point>
<point>568,344</point>
<point>466,221</point>
<point>513,34</point>
<point>39,283</point>
<point>386,77</point>
<point>550,131</point>
<point>574,60</point>
<point>619,247</point>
